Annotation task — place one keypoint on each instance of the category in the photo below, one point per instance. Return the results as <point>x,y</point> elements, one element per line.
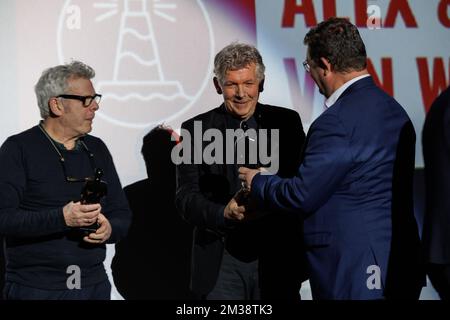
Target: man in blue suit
<point>354,186</point>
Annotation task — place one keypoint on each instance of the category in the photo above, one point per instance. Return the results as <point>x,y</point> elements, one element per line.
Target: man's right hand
<point>81,215</point>
<point>233,211</point>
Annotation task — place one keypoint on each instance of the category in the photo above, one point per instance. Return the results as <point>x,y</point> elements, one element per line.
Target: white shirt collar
<point>336,94</point>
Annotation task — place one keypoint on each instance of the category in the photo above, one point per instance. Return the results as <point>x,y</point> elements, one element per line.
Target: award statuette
<point>242,196</point>
<point>93,191</point>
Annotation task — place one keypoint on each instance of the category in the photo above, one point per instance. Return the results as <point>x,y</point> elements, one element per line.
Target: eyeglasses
<point>87,100</point>
<point>306,66</point>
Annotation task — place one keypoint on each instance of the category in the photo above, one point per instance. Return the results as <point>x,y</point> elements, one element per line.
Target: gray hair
<point>54,81</point>
<point>237,56</point>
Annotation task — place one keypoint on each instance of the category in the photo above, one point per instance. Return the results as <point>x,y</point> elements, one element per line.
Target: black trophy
<point>243,195</point>
<point>93,191</point>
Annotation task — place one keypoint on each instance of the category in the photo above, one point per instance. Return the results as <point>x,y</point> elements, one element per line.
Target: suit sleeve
<point>326,161</point>
<point>191,203</point>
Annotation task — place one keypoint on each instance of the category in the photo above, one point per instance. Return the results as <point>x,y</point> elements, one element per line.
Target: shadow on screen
<point>153,261</point>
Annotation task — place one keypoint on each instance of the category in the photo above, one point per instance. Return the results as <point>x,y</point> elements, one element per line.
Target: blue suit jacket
<point>354,190</point>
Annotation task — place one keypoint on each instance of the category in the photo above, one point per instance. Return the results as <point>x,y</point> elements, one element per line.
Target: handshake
<point>242,197</point>
<point>246,176</point>
<point>241,206</point>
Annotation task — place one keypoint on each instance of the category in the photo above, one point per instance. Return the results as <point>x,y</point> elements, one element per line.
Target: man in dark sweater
<point>49,253</point>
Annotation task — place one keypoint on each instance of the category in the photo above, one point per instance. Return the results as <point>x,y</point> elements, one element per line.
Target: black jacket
<point>436,154</point>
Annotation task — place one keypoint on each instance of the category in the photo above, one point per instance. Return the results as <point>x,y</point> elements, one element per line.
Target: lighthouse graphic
<point>135,14</point>
<point>137,91</point>
<point>138,77</point>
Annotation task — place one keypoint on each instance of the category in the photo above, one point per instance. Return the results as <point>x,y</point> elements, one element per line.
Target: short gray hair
<point>54,81</point>
<point>237,56</point>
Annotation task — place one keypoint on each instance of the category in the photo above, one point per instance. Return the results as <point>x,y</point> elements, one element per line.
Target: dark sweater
<point>33,191</point>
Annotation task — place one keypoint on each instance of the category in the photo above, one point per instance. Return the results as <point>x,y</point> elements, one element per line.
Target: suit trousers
<point>237,280</point>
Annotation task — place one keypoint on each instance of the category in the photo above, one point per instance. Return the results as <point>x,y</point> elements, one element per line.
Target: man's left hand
<point>103,232</point>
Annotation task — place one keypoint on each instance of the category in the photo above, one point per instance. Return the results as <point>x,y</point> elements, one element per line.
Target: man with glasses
<point>354,186</point>
<point>234,256</point>
<point>55,243</point>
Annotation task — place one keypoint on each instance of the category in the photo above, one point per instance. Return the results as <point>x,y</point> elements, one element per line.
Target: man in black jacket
<point>238,253</point>
<point>436,155</point>
<point>54,237</point>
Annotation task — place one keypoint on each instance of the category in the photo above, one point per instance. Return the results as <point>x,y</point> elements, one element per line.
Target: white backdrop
<point>154,58</point>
